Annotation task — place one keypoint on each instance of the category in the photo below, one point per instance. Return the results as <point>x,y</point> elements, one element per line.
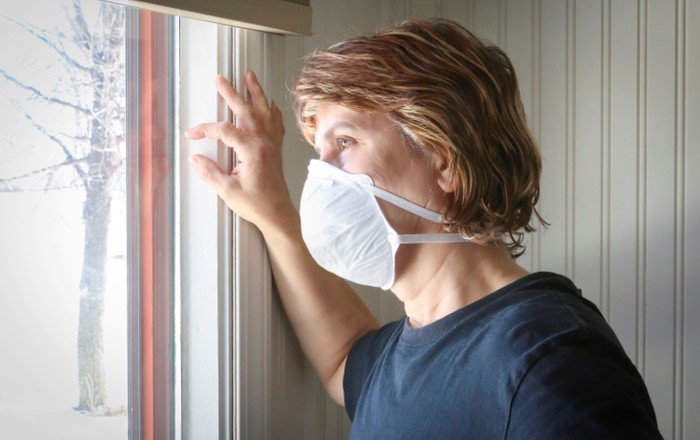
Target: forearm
<point>326,314</point>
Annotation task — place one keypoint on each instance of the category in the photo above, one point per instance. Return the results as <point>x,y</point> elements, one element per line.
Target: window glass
<point>63,234</point>
<point>96,293</point>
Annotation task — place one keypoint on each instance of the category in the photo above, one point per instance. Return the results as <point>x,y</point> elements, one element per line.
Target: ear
<point>445,175</point>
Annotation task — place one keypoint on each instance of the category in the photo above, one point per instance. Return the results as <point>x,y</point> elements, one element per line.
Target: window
<point>88,176</point>
<point>86,185</point>
<point>123,276</point>
<point>62,191</point>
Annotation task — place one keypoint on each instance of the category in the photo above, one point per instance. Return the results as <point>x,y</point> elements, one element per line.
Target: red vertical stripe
<point>152,142</point>
<point>146,221</point>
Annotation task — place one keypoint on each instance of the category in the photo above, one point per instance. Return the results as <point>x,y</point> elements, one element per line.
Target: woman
<point>426,181</point>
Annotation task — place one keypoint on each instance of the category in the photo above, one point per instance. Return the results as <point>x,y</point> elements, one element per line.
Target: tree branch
<point>6,185</point>
<point>42,96</point>
<point>41,35</point>
<point>80,28</point>
<point>5,188</point>
<point>66,151</point>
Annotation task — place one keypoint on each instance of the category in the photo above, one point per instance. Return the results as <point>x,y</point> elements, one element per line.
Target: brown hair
<point>454,97</point>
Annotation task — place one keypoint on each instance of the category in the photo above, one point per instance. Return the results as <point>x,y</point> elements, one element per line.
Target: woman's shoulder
<point>543,301</point>
<point>536,313</point>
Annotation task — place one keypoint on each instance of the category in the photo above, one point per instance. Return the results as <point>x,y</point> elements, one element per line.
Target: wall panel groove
<point>605,188</point>
<point>660,238</point>
<point>570,137</point>
<point>536,38</point>
<point>641,189</point>
<point>623,182</point>
<point>554,129</point>
<point>680,218</point>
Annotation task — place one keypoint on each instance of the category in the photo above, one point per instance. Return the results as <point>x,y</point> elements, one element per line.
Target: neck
<point>434,280</point>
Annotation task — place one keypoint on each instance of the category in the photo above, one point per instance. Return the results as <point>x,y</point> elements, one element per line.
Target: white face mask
<point>346,231</point>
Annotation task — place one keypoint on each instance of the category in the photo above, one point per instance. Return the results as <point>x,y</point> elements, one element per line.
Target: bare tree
<point>94,154</point>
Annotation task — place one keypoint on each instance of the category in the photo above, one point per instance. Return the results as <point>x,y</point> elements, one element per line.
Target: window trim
<point>254,292</point>
<point>206,239</point>
<point>150,143</point>
<point>221,292</point>
<point>291,17</point>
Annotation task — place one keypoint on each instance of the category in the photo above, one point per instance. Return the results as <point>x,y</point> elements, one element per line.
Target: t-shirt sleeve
<point>574,392</point>
<point>361,360</point>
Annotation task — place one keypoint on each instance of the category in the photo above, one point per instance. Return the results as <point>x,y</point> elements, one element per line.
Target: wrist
<point>283,229</point>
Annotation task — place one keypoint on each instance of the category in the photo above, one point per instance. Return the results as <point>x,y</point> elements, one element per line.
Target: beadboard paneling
<point>612,92</point>
<point>554,134</point>
<point>624,208</point>
<point>660,151</point>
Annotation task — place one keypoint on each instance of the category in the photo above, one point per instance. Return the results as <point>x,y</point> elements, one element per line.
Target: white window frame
<point>225,289</point>
<point>277,16</point>
<point>205,246</point>
<point>253,290</point>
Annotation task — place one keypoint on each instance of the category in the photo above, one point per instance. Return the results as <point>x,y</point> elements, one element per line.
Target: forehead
<point>331,117</point>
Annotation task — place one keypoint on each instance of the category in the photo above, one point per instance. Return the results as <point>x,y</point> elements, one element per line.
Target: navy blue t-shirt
<point>533,360</point>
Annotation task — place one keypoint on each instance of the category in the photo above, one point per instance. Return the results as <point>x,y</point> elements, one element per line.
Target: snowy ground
<point>40,261</point>
<point>24,418</point>
<point>41,248</point>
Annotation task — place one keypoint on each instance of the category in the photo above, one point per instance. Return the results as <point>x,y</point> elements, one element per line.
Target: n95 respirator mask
<point>346,231</point>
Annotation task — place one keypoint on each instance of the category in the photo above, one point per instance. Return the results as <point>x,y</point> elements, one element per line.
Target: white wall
<point>612,90</point>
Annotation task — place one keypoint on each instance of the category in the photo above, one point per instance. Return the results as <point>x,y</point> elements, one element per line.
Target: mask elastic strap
<point>408,206</point>
<point>420,212</point>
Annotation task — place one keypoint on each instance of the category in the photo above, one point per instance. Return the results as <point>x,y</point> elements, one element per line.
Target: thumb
<point>211,173</point>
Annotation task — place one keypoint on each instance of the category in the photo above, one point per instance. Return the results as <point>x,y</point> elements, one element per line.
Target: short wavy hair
<point>454,96</point>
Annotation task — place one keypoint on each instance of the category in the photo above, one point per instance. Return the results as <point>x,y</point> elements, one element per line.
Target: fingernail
<point>221,78</point>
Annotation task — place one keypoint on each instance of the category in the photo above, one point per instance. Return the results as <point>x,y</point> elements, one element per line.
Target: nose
<point>329,155</point>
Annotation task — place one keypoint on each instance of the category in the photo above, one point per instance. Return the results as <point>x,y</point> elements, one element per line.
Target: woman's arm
<point>327,316</point>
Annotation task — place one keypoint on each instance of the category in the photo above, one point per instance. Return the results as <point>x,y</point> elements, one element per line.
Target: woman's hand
<point>326,314</point>
<point>255,189</point>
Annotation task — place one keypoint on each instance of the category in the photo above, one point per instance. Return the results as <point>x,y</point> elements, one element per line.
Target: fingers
<point>213,175</point>
<point>234,101</point>
<point>277,118</point>
<point>195,133</point>
<point>257,94</point>
<point>259,127</point>
<point>223,131</point>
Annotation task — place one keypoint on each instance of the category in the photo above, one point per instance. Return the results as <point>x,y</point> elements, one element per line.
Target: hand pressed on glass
<point>255,187</point>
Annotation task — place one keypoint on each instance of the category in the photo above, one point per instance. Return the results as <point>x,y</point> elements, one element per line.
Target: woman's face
<point>371,143</point>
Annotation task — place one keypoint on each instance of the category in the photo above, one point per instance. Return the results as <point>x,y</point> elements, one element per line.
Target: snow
<point>41,247</point>
<point>40,261</point>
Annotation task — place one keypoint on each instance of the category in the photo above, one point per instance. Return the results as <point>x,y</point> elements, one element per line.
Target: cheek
<point>389,166</point>
<point>412,176</point>
<point>412,182</point>
<point>362,165</point>
<point>387,175</point>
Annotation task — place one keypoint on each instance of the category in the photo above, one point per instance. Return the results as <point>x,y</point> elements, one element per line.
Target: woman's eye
<point>343,143</point>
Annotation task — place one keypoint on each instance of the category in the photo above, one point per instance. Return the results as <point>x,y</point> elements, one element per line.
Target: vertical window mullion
<point>150,133</point>
<point>253,287</point>
<point>226,313</point>
<point>205,240</point>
